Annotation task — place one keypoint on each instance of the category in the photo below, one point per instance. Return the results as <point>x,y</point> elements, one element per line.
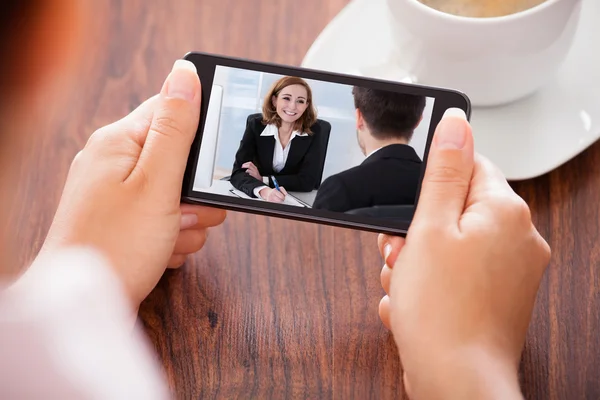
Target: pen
<point>275,182</point>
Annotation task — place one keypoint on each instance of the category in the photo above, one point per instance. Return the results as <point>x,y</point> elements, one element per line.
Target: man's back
<point>390,176</point>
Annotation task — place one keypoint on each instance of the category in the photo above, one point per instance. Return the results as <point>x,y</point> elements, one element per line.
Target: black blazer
<point>390,176</point>
<point>302,168</point>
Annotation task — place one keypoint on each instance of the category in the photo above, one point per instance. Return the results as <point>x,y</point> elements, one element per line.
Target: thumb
<point>448,173</point>
<point>164,156</point>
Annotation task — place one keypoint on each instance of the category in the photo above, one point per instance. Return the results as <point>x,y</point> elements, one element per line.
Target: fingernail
<point>182,82</point>
<point>452,133</point>
<point>188,220</point>
<point>387,250</point>
<point>455,112</point>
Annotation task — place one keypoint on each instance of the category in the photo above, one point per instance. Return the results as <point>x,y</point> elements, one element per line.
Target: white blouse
<point>280,153</point>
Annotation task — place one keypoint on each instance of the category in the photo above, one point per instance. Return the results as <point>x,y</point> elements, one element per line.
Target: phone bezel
<point>206,65</point>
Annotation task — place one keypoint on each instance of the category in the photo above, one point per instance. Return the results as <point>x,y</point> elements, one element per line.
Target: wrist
<point>467,373</point>
<point>257,190</point>
<point>264,192</point>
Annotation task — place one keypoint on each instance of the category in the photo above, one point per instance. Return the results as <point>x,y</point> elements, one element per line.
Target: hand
<point>122,195</point>
<point>252,170</point>
<point>273,195</point>
<point>463,284</point>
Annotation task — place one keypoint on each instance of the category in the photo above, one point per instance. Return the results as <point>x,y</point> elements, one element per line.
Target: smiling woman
<point>289,102</point>
<point>280,149</point>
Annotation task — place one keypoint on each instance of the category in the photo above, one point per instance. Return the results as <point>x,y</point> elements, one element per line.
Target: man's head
<point>384,117</point>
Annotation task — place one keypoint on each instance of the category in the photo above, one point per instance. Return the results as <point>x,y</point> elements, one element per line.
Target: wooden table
<point>278,309</point>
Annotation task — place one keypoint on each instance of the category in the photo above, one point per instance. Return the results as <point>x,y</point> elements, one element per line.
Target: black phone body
<point>231,94</point>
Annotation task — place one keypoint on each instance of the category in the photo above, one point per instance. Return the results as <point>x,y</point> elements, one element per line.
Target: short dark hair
<point>389,114</point>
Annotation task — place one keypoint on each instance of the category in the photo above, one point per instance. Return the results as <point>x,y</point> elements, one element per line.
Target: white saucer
<point>525,139</point>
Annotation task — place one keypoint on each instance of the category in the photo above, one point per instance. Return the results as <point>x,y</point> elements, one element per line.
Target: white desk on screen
<point>225,187</point>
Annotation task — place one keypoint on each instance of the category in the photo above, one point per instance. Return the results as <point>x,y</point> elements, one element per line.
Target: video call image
<point>315,144</point>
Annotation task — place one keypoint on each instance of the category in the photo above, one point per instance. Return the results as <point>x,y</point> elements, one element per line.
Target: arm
<point>332,195</point>
<point>470,372</point>
<point>246,152</point>
<point>257,189</point>
<point>67,326</point>
<point>306,178</point>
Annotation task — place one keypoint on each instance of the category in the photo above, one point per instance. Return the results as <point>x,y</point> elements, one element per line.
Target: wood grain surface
<point>279,309</point>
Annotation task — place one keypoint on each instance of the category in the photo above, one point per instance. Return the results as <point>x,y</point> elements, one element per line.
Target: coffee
<point>481,8</point>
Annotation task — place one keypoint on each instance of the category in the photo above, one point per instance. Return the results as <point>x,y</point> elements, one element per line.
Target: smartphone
<point>312,145</point>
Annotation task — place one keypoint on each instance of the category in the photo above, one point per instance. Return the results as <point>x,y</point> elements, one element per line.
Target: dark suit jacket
<point>390,176</point>
<point>302,168</point>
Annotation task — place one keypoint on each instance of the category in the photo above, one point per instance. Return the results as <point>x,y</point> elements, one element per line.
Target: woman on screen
<point>280,149</point>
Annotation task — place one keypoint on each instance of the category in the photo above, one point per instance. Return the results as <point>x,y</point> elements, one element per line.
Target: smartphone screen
<point>312,145</point>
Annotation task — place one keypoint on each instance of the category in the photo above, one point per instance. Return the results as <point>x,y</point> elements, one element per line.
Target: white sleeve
<point>257,190</point>
<point>65,332</point>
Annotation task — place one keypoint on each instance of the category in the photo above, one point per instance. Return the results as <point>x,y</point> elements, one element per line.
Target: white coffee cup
<point>493,60</point>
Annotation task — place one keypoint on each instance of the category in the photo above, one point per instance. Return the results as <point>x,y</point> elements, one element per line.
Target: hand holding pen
<point>276,195</point>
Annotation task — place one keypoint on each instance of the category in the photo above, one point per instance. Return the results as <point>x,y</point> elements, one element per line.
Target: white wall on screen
<point>210,140</point>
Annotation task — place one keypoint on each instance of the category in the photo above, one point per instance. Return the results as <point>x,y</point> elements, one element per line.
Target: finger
<point>283,190</point>
<point>382,238</point>
<point>389,248</point>
<point>384,311</point>
<point>275,197</point>
<point>122,140</point>
<point>278,195</point>
<point>190,241</point>
<point>386,278</point>
<point>142,114</point>
<point>487,181</point>
<point>272,194</point>
<point>489,173</point>
<point>163,158</point>
<point>177,260</point>
<point>188,221</point>
<point>448,173</point>
<point>206,217</point>
<point>135,125</point>
<point>491,196</point>
<point>140,119</point>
